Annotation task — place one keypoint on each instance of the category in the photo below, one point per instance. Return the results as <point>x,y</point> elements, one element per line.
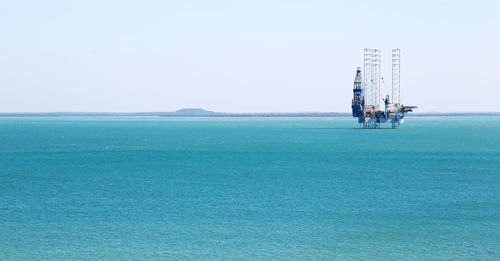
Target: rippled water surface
<point>159,188</point>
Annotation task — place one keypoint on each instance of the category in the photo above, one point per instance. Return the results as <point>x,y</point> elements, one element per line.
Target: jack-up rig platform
<point>367,101</point>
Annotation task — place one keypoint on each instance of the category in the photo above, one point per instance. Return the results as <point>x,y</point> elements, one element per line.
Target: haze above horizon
<point>228,56</point>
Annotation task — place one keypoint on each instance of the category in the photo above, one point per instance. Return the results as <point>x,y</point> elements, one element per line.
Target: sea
<point>153,188</point>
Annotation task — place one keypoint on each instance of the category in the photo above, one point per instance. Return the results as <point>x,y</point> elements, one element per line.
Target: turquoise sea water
<point>291,189</point>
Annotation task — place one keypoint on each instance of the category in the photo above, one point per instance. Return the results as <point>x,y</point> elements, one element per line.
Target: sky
<point>243,56</point>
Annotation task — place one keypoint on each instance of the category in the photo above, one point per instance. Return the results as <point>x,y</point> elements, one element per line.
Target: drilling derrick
<point>358,100</point>
<point>366,102</point>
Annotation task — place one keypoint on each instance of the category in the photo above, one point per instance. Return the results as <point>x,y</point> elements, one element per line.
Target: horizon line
<point>201,110</point>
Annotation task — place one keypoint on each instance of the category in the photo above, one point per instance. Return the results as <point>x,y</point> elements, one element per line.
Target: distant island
<point>198,112</point>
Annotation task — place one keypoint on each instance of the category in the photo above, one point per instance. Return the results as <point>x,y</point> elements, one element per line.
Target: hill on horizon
<point>193,111</point>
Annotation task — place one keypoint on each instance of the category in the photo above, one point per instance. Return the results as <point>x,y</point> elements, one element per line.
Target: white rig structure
<point>367,100</point>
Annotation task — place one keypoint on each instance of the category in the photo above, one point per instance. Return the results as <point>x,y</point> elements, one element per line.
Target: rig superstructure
<point>367,100</point>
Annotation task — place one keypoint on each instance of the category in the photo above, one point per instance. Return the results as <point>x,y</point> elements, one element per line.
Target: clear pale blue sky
<point>242,56</point>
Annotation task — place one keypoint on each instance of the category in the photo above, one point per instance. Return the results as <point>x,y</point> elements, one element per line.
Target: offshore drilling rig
<point>367,101</point>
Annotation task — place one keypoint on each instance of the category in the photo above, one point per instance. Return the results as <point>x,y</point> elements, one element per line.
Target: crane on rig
<point>367,100</point>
